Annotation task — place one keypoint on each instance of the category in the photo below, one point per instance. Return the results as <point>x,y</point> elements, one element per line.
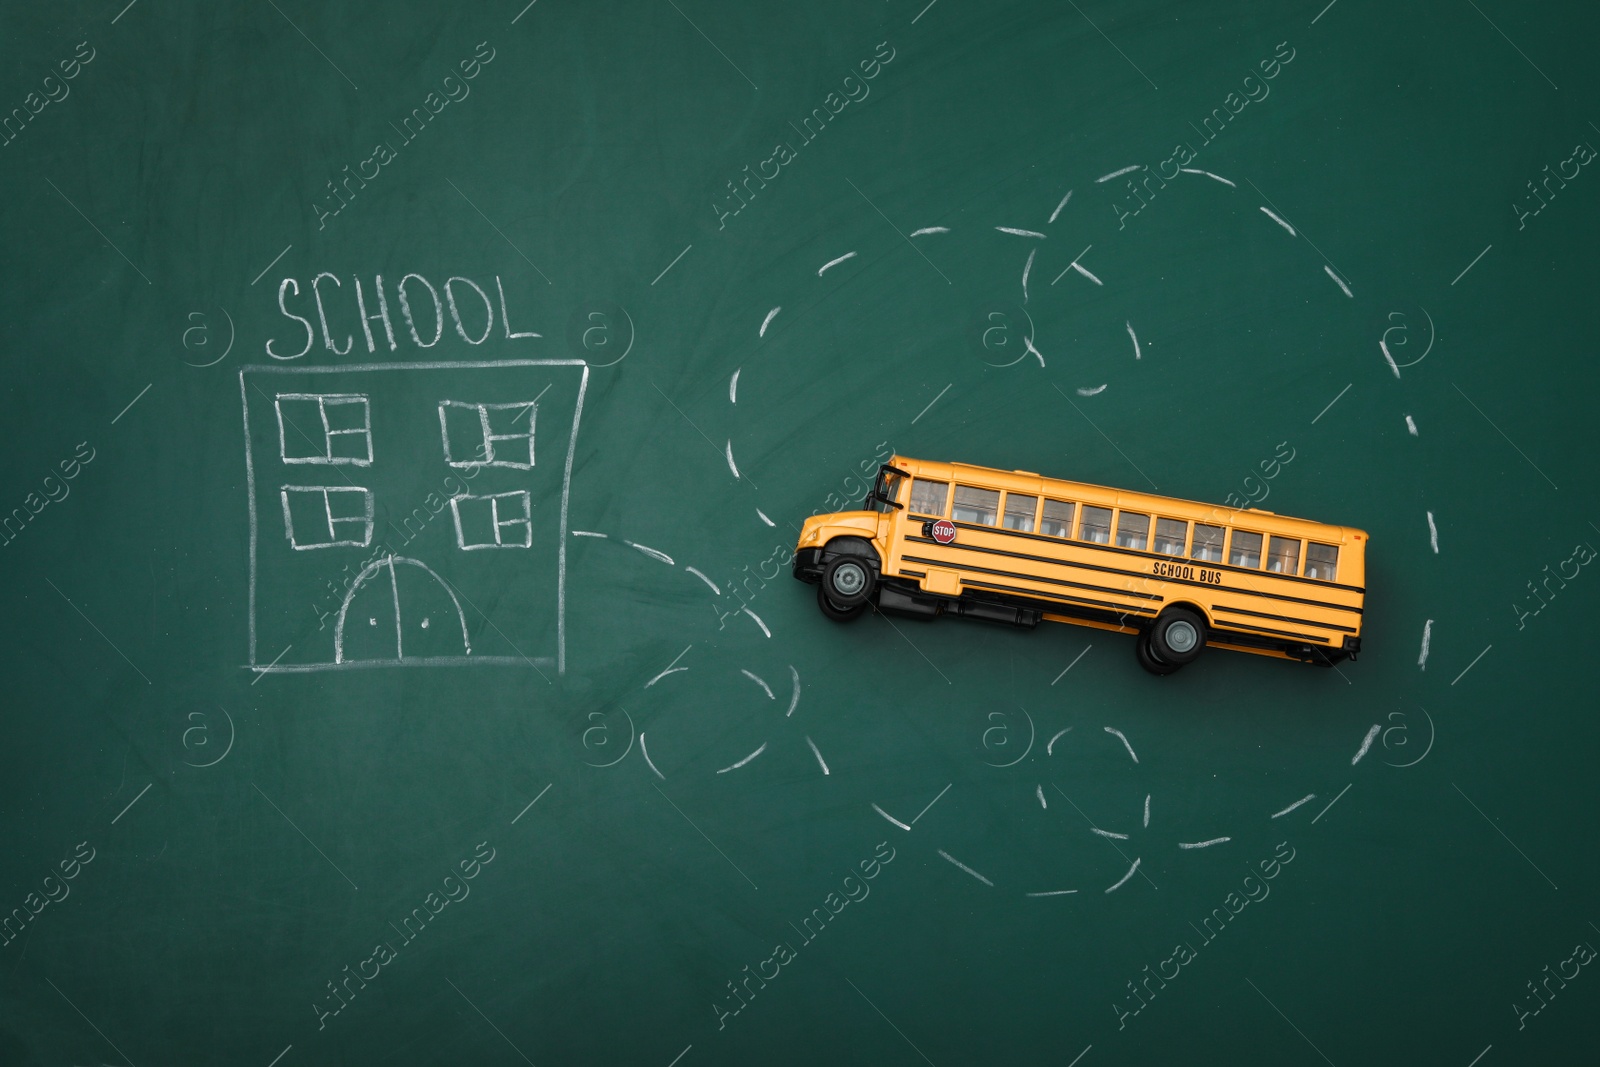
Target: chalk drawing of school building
<point>409,514</point>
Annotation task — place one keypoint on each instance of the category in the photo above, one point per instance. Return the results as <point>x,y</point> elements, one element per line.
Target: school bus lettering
<point>1016,547</point>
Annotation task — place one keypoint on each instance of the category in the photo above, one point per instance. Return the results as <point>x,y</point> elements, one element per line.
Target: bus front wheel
<point>1147,659</point>
<point>847,581</point>
<point>835,612</point>
<point>1177,636</point>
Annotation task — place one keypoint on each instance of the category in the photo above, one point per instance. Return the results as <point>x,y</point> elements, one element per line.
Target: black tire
<point>847,581</point>
<point>1178,636</point>
<point>1147,659</point>
<point>836,613</point>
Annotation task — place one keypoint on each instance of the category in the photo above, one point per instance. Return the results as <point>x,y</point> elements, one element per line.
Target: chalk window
<point>928,498</point>
<point>503,520</point>
<point>488,435</point>
<point>1245,550</point>
<point>1170,536</point>
<point>976,505</point>
<point>1283,555</point>
<point>329,428</point>
<point>331,516</point>
<point>1094,524</point>
<point>1057,520</point>
<point>1207,547</point>
<point>1322,561</point>
<point>1133,531</point>
<point>1020,511</point>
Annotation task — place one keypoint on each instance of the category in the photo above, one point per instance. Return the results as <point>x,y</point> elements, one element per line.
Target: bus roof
<point>1108,496</point>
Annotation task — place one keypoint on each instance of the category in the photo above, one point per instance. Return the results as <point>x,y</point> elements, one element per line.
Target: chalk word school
<point>420,303</point>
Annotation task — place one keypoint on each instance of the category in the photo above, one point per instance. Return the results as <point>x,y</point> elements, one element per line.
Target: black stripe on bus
<point>1280,633</point>
<point>1149,555</point>
<point>1120,570</point>
<point>1036,594</point>
<point>1034,578</point>
<point>1284,618</point>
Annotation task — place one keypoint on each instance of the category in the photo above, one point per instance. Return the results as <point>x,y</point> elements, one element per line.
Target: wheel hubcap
<point>1181,636</point>
<point>849,580</point>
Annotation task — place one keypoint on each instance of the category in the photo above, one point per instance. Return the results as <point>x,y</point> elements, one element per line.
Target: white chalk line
<point>1147,811</point>
<point>1433,534</point>
<point>765,688</point>
<point>817,754</point>
<point>1026,268</point>
<point>1208,174</point>
<point>1108,833</point>
<point>646,754</point>
<point>1204,844</point>
<point>1053,215</point>
<point>1116,173</point>
<point>747,759</point>
<point>1308,798</point>
<point>1337,280</point>
<point>587,533</point>
<point>672,668</point>
<point>930,229</point>
<point>794,698</point>
<point>728,452</point>
<point>964,867</point>
<point>1039,789</point>
<point>733,387</point>
<point>1049,749</point>
<point>1279,220</point>
<point>1366,743</point>
<point>763,517</point>
<point>1096,391</point>
<point>1427,635</point>
<point>652,553</point>
<point>891,818</point>
<point>703,578</point>
<point>1069,266</point>
<point>1411,427</point>
<point>1020,233</point>
<point>1137,354</point>
<point>1028,349</point>
<point>1081,269</point>
<point>1053,893</point>
<point>1120,736</point>
<point>834,262</point>
<point>768,320</point>
<point>757,619</point>
<point>1123,880</point>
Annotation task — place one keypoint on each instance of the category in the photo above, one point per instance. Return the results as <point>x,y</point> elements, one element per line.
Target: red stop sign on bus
<point>943,531</point>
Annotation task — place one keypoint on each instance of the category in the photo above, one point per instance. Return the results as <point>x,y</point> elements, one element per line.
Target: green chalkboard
<point>411,410</point>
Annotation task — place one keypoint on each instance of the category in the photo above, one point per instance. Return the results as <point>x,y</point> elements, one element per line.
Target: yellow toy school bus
<point>1015,547</point>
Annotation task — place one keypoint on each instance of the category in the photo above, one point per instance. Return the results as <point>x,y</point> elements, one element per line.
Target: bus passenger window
<point>928,498</point>
<point>1095,525</point>
<point>976,505</point>
<point>1170,536</point>
<point>1057,520</point>
<point>1322,561</point>
<point>1283,556</point>
<point>1133,531</point>
<point>1020,511</point>
<point>1207,543</point>
<point>1246,550</point>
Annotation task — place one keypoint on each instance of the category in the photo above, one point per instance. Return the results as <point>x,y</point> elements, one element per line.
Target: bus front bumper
<point>807,565</point>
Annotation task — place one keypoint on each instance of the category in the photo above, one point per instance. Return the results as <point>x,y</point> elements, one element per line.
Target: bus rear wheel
<point>1177,636</point>
<point>1148,660</point>
<point>835,612</point>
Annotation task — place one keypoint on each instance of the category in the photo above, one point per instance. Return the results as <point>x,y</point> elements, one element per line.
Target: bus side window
<point>1020,511</point>
<point>1170,536</point>
<point>1283,555</point>
<point>980,506</point>
<point>1207,543</point>
<point>1322,561</point>
<point>1245,550</point>
<point>1057,520</point>
<point>1133,531</point>
<point>928,498</point>
<point>1094,525</point>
